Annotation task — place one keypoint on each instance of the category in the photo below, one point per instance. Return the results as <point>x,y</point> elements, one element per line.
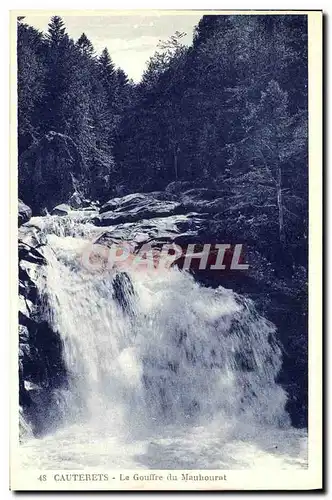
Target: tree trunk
<point>175,157</point>
<point>282,235</point>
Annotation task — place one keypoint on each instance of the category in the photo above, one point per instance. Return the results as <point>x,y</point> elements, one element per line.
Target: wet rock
<point>25,305</point>
<point>30,254</point>
<point>134,208</point>
<point>123,291</point>
<point>62,209</point>
<point>24,213</point>
<point>180,229</point>
<point>23,333</point>
<point>138,206</point>
<point>31,235</point>
<point>125,202</point>
<point>41,367</point>
<point>131,201</point>
<point>76,201</point>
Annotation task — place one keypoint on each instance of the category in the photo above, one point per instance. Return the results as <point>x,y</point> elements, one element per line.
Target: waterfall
<point>144,351</point>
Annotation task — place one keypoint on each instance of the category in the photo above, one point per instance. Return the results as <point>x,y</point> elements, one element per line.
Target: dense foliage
<point>70,102</point>
<point>229,112</point>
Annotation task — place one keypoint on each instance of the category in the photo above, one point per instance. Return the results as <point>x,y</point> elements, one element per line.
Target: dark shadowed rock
<point>178,187</point>
<point>136,207</point>
<point>135,200</point>
<point>24,213</point>
<point>62,209</point>
<point>76,201</point>
<point>30,254</point>
<point>125,202</point>
<point>123,292</point>
<point>47,170</point>
<point>31,235</point>
<point>180,229</point>
<point>41,366</point>
<point>200,194</point>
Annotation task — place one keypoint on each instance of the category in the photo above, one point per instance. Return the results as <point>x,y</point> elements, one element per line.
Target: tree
<point>61,59</point>
<point>271,128</point>
<point>108,78</point>
<point>56,31</point>
<point>160,62</point>
<point>107,66</point>
<point>30,84</point>
<point>85,46</point>
<point>223,108</point>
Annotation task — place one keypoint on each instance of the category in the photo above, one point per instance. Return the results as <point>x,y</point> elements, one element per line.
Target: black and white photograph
<point>164,224</point>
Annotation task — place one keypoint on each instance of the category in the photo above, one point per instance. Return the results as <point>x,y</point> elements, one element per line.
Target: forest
<point>227,114</point>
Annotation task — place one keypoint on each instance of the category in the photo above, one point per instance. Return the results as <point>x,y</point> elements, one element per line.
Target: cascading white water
<point>161,357</point>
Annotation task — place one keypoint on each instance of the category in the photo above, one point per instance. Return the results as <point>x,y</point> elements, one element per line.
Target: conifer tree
<point>85,46</point>
<point>107,65</point>
<point>56,31</point>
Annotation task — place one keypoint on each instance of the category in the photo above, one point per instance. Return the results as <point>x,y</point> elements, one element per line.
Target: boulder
<point>30,234</point>
<point>179,229</point>
<point>30,254</point>
<point>128,201</point>
<point>177,187</point>
<point>47,171</point>
<point>76,201</point>
<point>136,207</point>
<point>24,213</point>
<point>62,209</point>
